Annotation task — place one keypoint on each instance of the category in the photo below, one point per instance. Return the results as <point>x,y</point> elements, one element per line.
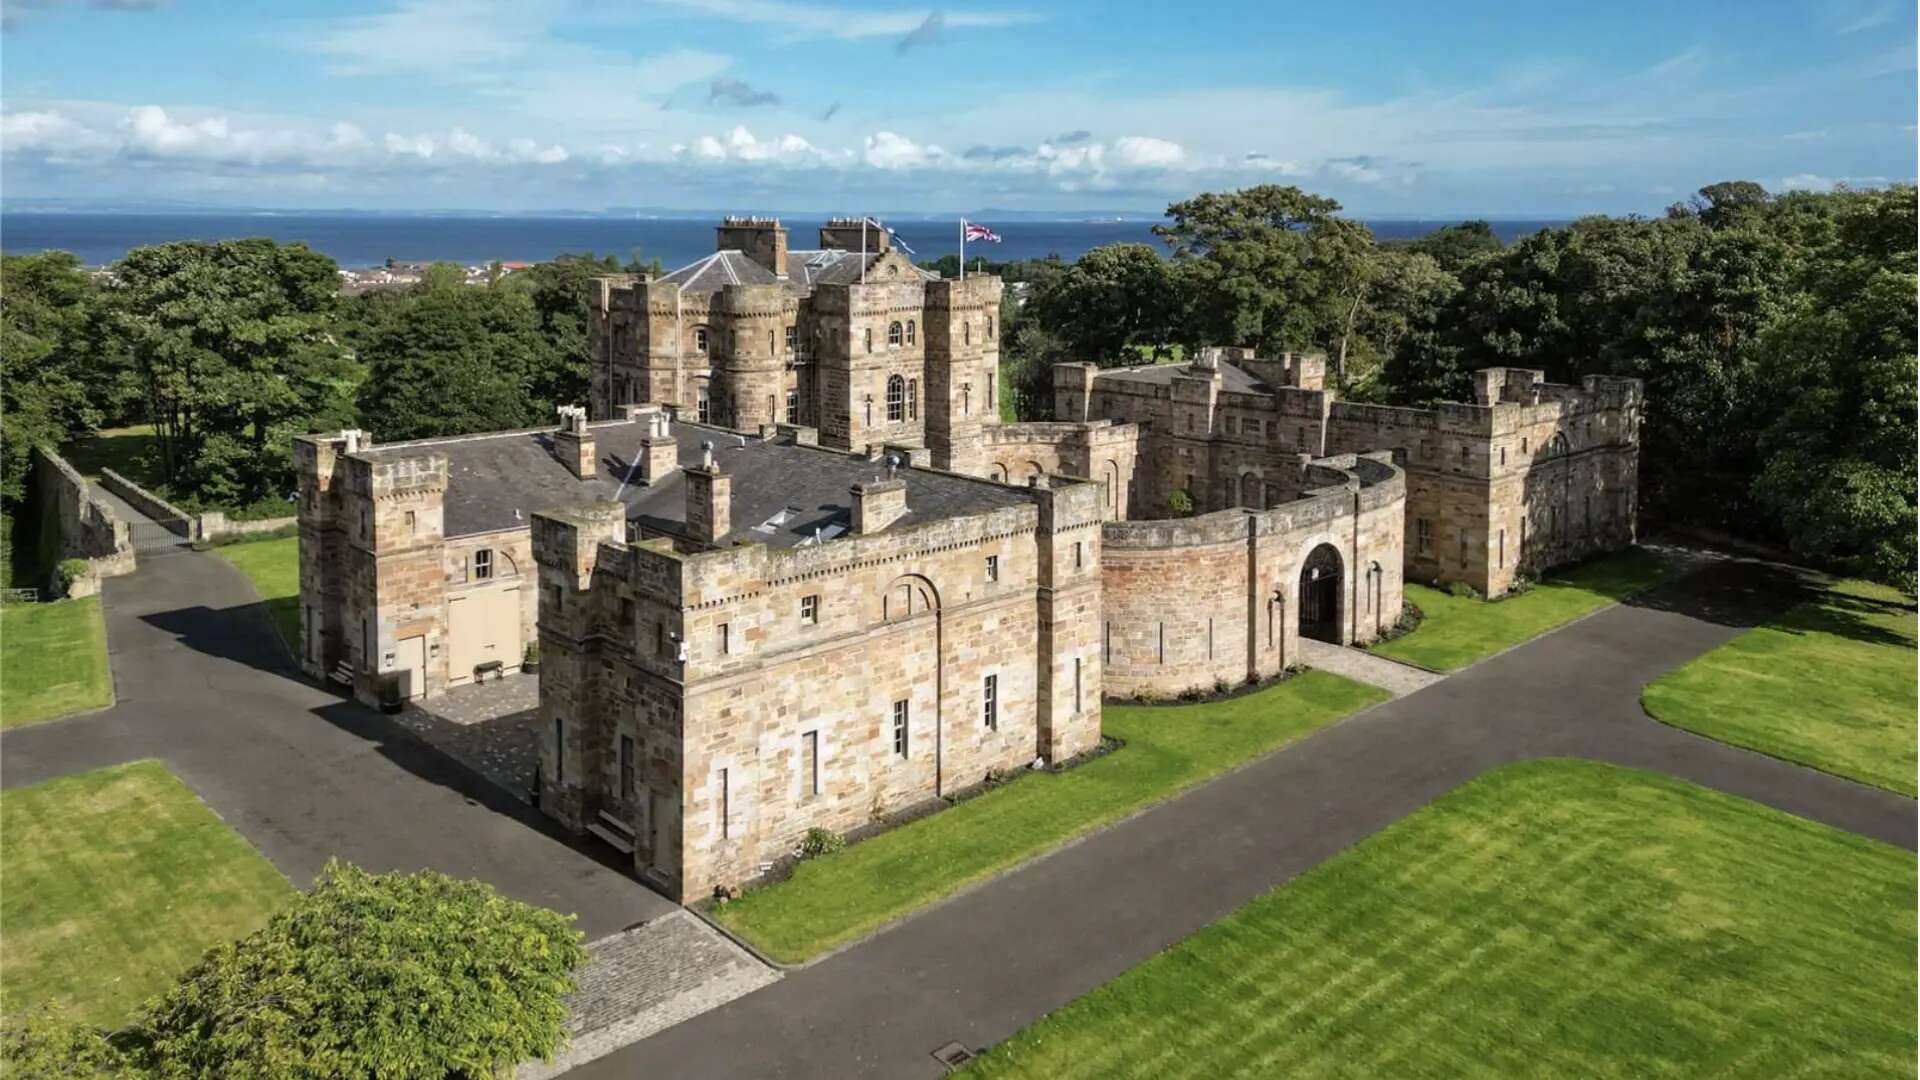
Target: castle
<point>752,626</point>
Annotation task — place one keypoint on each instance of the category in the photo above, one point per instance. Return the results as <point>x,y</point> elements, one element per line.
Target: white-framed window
<point>900,728</point>
<point>793,406</point>
<point>910,331</point>
<point>483,564</point>
<point>896,398</point>
<point>810,608</point>
<point>810,761</point>
<point>913,399</point>
<point>700,337</point>
<point>990,702</point>
<point>896,334</point>
<point>705,406</point>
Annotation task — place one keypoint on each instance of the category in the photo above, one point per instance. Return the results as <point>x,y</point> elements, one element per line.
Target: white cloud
<point>889,150</point>
<point>1807,182</point>
<point>852,23</point>
<point>741,145</point>
<point>1145,152</point>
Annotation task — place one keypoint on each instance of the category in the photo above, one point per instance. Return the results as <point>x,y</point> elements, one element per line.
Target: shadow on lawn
<point>1746,594</point>
<point>1849,616</point>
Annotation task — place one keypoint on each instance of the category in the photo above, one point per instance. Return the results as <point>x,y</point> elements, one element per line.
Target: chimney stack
<point>573,443</point>
<point>709,499</point>
<point>878,504</point>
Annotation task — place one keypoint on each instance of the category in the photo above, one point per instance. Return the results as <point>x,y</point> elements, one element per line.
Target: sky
<point>1395,109</point>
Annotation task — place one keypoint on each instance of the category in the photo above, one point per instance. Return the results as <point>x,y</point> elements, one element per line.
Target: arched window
<point>896,398</point>
<point>913,399</point>
<point>894,335</point>
<point>910,331</point>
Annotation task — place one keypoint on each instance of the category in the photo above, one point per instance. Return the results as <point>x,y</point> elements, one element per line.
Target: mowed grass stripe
<point>1459,630</point>
<point>115,881</point>
<point>1554,918</point>
<point>1829,684</point>
<point>53,660</point>
<point>834,899</point>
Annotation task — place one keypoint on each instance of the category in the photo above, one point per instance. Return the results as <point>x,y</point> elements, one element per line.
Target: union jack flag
<point>980,232</point>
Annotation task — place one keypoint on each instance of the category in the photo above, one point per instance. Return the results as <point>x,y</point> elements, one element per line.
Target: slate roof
<point>1232,379</point>
<point>805,269</point>
<point>490,477</point>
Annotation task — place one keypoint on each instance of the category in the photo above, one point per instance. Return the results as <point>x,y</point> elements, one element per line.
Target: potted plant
<point>530,662</point>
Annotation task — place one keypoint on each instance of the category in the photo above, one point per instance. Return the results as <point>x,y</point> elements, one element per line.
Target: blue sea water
<point>359,240</point>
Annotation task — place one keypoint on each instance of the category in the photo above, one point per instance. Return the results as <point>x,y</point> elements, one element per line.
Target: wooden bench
<point>495,668</point>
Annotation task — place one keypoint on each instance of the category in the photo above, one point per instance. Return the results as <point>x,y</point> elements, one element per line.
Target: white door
<point>411,659</point>
<point>483,628</point>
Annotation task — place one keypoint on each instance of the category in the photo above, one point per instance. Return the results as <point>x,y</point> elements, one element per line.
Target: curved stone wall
<point>1193,603</point>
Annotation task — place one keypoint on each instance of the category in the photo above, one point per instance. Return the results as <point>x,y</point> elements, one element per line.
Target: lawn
<point>1828,684</point>
<point>53,660</point>
<point>116,881</point>
<point>274,567</point>
<point>1459,630</point>
<point>133,452</point>
<point>1553,918</point>
<point>833,899</point>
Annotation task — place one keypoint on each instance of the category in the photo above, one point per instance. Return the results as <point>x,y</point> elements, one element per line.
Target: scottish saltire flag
<point>897,242</point>
<point>979,232</point>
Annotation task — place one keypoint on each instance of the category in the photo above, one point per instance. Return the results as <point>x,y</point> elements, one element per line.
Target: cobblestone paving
<point>488,728</point>
<point>1390,675</point>
<point>649,978</point>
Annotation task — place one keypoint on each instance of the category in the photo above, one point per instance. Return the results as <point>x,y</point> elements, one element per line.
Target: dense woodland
<point>1776,334</point>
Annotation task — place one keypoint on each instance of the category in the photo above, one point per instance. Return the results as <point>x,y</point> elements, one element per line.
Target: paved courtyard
<point>1359,665</point>
<point>489,728</point>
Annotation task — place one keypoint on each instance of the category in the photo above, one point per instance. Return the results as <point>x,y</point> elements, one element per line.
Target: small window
<point>726,805</point>
<point>1079,555</point>
<point>993,568</point>
<point>1503,455</point>
<point>726,638</point>
<point>900,728</point>
<point>793,338</point>
<point>626,611</point>
<point>700,338</point>
<point>1300,437</point>
<point>810,761</point>
<point>705,408</point>
<point>869,339</point>
<point>626,767</point>
<point>1523,444</point>
<point>966,333</point>
<point>660,642</point>
<point>1076,684</point>
<point>896,334</point>
<point>1423,536</point>
<point>989,328</point>
<point>483,564</point>
<point>896,398</point>
<point>793,406</point>
<point>1464,452</point>
<point>913,399</point>
<point>555,597</point>
<point>810,609</point>
<point>559,750</point>
<point>910,331</point>
<point>990,702</point>
<point>413,523</point>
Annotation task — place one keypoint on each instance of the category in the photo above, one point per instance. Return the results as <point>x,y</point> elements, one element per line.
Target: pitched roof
<point>806,268</point>
<point>1232,379</point>
<point>782,493</point>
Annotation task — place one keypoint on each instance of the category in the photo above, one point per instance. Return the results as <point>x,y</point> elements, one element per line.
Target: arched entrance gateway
<point>1320,594</point>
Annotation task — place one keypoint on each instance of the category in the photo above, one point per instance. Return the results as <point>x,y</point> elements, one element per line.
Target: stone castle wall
<point>87,527</point>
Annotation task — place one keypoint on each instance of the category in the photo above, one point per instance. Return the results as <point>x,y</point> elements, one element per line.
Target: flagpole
<point>863,250</point>
<point>963,249</point>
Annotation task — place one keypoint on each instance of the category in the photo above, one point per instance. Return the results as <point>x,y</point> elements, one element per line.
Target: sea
<point>361,240</point>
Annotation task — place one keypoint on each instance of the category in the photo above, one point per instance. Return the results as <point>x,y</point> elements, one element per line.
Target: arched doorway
<point>1320,594</point>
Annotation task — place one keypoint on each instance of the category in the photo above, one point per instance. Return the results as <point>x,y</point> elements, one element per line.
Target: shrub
<point>47,1045</point>
<point>70,571</point>
<point>1463,590</point>
<point>388,975</point>
<point>1180,504</point>
<point>821,842</point>
<point>532,655</point>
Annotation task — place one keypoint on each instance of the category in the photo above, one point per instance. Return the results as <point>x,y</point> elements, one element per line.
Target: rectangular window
<point>1503,548</point>
<point>483,564</point>
<point>626,611</point>
<point>793,338</point>
<point>1076,684</point>
<point>990,702</point>
<point>726,638</point>
<point>993,568</point>
<point>810,609</point>
<point>1463,547</point>
<point>1300,437</point>
<point>810,761</point>
<point>900,728</point>
<point>660,639</point>
<point>1463,455</point>
<point>793,406</point>
<point>700,338</point>
<point>1079,555</point>
<point>706,408</point>
<point>555,597</point>
<point>1503,455</point>
<point>1108,645</point>
<point>626,767</point>
<point>913,399</point>
<point>1423,536</point>
<point>726,805</point>
<point>559,750</point>
<point>413,523</point>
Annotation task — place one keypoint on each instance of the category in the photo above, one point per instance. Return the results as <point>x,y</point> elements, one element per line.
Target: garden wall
<point>206,525</point>
<point>87,528</point>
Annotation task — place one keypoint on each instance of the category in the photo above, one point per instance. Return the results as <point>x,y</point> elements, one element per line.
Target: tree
<point>45,1044</point>
<point>1456,247</point>
<point>559,291</point>
<point>373,975</point>
<point>59,372</point>
<point>454,360</point>
<point>229,339</point>
<point>1116,305</point>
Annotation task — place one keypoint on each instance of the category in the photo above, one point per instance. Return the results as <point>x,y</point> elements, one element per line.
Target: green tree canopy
<point>60,372</point>
<point>454,360</point>
<point>373,975</point>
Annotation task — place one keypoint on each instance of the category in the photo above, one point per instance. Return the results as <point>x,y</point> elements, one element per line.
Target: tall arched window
<point>913,399</point>
<point>896,398</point>
<point>894,335</point>
<point>910,331</point>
